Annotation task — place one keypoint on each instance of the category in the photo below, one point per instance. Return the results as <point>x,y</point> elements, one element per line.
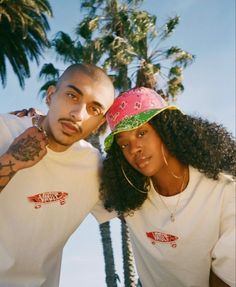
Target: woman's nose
<point>135,147</point>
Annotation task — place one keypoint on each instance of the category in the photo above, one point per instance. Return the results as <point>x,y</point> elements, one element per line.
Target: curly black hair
<point>206,146</point>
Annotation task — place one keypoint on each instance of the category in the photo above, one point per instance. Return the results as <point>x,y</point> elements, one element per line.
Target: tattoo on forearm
<point>6,173</point>
<point>10,167</point>
<point>25,149</point>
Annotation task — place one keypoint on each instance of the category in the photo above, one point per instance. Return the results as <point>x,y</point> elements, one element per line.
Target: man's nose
<point>79,113</point>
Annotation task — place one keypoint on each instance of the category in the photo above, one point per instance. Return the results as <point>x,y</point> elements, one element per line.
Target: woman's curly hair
<point>206,146</point>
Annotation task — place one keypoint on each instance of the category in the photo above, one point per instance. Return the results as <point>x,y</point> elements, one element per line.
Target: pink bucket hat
<point>132,109</point>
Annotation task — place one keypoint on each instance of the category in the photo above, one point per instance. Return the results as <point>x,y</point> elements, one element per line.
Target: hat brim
<point>133,122</point>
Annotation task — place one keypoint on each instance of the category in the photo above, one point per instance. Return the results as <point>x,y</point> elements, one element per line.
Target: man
<point>49,176</point>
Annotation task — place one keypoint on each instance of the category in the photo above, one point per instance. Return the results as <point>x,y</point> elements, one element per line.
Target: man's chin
<point>62,143</point>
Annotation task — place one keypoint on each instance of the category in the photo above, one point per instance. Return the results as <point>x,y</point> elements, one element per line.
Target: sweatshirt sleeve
<point>101,214</point>
<point>223,254</point>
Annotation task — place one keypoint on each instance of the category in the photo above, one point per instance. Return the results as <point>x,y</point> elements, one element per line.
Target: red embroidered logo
<point>160,237</point>
<point>48,197</point>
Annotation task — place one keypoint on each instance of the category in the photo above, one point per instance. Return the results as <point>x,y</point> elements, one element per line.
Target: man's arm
<point>25,151</point>
<point>6,170</point>
<point>31,112</point>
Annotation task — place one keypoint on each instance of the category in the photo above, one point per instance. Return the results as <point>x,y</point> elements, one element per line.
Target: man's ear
<point>50,91</point>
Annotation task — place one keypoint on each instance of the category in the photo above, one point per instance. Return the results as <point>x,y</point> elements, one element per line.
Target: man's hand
<point>25,151</point>
<point>24,112</point>
<point>28,148</point>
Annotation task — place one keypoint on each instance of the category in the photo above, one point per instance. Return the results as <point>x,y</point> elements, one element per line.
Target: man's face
<point>76,108</point>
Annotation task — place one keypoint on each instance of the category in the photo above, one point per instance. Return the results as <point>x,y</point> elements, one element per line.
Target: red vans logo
<point>159,237</point>
<point>48,197</point>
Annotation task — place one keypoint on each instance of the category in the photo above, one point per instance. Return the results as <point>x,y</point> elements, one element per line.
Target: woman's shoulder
<point>227,179</point>
<point>224,183</point>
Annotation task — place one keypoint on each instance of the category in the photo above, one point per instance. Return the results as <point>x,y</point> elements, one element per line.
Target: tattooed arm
<point>25,151</point>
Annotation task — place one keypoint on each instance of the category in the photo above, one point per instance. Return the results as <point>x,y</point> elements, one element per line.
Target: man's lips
<point>69,127</point>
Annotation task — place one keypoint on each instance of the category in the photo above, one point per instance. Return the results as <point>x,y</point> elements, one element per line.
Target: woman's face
<point>142,149</point>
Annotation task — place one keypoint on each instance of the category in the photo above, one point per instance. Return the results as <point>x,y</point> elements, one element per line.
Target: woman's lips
<point>142,162</point>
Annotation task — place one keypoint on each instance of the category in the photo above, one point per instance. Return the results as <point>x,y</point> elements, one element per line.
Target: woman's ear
<point>50,91</point>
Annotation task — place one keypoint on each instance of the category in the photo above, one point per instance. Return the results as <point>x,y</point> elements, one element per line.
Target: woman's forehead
<point>133,131</point>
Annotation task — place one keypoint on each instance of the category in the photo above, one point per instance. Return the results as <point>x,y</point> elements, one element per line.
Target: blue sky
<point>207,30</point>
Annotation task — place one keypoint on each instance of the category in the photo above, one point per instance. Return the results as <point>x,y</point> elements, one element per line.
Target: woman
<point>171,176</point>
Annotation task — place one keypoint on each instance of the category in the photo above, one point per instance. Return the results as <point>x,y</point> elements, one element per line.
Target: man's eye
<point>94,111</point>
<point>72,96</point>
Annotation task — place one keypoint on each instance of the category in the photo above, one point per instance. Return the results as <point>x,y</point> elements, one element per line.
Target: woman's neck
<point>167,184</point>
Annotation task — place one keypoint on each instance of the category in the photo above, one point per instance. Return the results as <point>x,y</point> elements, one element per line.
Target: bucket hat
<point>132,109</point>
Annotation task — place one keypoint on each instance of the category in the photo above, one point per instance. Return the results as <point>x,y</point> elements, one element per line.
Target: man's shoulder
<point>10,119</point>
<point>10,127</point>
<point>7,117</point>
<point>86,148</point>
<point>83,144</point>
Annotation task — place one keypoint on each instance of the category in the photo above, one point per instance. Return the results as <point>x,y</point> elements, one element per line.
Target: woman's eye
<point>141,134</point>
<point>123,146</point>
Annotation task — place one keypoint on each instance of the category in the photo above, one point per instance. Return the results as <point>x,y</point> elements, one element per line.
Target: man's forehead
<point>99,92</point>
<point>83,77</point>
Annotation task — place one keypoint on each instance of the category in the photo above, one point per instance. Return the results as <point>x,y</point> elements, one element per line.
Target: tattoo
<point>25,149</point>
<point>10,166</point>
<point>5,178</point>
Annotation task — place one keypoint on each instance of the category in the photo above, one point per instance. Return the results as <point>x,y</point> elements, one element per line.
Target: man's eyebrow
<point>76,89</point>
<point>81,93</point>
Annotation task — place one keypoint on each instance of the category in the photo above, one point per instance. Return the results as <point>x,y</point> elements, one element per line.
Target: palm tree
<point>111,276</point>
<point>23,27</point>
<point>126,42</point>
<point>131,40</point>
<point>156,65</point>
<point>128,259</point>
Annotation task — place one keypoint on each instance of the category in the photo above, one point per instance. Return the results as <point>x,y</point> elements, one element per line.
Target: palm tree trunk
<point>128,259</point>
<point>111,276</point>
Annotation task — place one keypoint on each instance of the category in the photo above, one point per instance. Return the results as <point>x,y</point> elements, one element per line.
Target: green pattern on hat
<point>133,122</point>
